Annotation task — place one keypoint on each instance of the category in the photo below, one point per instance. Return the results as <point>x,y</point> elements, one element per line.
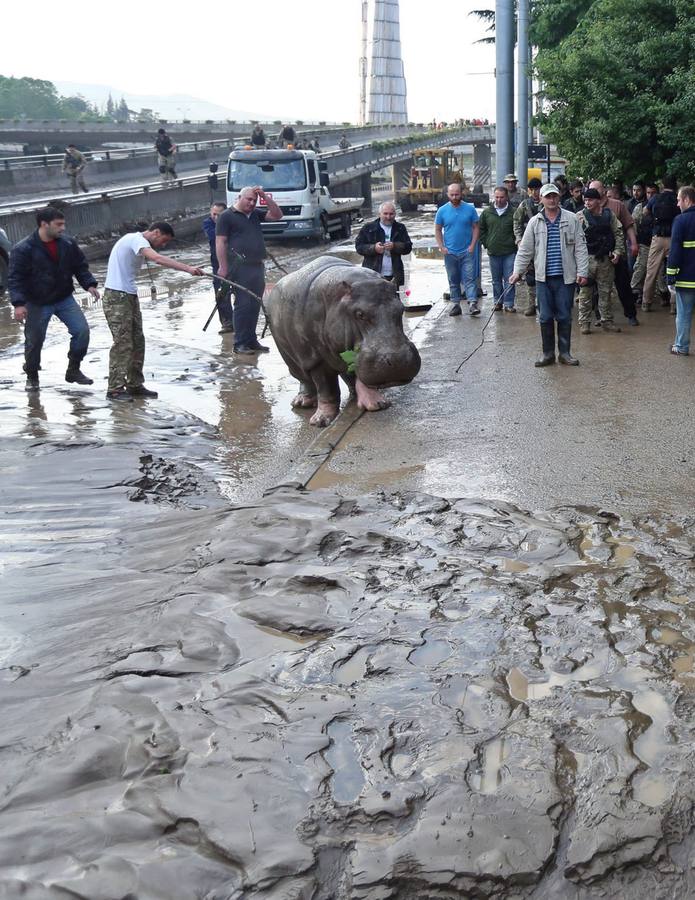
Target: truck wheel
<point>407,205</point>
<point>325,233</point>
<point>346,228</point>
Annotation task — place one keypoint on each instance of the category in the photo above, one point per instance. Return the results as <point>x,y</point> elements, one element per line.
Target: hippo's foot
<point>369,398</point>
<point>324,415</point>
<point>304,401</point>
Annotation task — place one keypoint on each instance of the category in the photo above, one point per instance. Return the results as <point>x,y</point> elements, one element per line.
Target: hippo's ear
<point>346,291</point>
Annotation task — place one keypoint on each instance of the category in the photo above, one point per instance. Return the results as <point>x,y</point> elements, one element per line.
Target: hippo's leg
<point>369,398</point>
<point>306,398</point>
<point>326,384</point>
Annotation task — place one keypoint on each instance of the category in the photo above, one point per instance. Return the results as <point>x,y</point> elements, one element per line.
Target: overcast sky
<point>293,58</point>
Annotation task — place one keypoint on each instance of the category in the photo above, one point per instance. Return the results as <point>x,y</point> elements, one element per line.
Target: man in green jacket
<point>497,236</point>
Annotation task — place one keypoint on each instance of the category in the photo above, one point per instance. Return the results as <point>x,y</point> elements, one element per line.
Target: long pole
<point>363,63</point>
<point>504,70</point>
<point>522,96</point>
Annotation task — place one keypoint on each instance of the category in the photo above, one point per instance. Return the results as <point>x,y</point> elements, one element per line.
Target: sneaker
<point>141,391</point>
<point>511,309</point>
<point>610,326</point>
<point>227,328</point>
<point>119,394</point>
<point>75,376</point>
<point>245,351</point>
<point>498,307</point>
<point>531,311</point>
<point>585,329</point>
<point>633,320</point>
<point>455,310</point>
<point>32,382</point>
<point>474,309</point>
<point>675,351</point>
<point>261,348</point>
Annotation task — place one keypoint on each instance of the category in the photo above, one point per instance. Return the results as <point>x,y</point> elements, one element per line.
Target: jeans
<point>460,270</point>
<point>501,267</point>
<point>246,307</point>
<point>36,324</point>
<point>555,299</point>
<point>685,301</point>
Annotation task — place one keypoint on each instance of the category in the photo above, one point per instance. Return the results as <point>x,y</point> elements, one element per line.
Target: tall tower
<point>387,91</point>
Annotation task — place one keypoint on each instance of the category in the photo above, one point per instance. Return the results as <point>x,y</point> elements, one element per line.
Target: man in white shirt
<point>122,308</point>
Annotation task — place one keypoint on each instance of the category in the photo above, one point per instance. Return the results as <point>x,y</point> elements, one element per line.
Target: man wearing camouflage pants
<point>605,243</point>
<point>122,307</point>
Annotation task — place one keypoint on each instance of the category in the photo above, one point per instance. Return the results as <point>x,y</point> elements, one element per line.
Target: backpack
<point>163,144</point>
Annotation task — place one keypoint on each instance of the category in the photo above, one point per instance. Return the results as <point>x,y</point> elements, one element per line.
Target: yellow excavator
<point>431,172</point>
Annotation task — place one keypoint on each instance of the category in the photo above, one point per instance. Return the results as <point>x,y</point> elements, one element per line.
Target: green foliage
<point>350,357</point>
<point>619,85</point>
<point>32,98</point>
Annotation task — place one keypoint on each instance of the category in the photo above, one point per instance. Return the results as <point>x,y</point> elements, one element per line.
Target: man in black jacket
<point>42,268</point>
<point>383,242</point>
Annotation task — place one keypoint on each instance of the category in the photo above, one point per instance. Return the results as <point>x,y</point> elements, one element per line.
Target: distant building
<point>388,100</point>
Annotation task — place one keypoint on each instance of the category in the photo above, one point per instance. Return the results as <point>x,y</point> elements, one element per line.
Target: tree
<point>122,112</point>
<point>618,109</point>
<point>110,107</point>
<point>28,97</point>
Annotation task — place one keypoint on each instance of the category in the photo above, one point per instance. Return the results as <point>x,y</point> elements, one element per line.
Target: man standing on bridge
<point>456,231</point>
<point>42,268</point>
<point>74,164</point>
<point>166,155</point>
<point>122,307</point>
<point>240,252</point>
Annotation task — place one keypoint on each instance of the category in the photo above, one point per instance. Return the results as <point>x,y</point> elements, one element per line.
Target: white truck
<point>298,182</point>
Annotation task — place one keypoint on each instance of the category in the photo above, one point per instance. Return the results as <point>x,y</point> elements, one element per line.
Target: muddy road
<point>359,691</point>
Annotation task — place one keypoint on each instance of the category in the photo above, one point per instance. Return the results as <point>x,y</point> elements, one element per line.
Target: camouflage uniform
<point>73,166</point>
<point>127,356</point>
<point>523,214</point>
<point>601,271</point>
<point>640,270</point>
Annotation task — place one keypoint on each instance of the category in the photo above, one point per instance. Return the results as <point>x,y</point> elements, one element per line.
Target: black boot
<point>548,339</point>
<point>73,373</point>
<point>564,333</point>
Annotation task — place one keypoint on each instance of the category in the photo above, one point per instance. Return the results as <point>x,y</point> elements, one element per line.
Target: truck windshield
<point>278,175</point>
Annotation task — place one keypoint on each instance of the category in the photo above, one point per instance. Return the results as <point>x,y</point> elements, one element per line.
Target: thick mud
<point>396,695</point>
<point>315,695</point>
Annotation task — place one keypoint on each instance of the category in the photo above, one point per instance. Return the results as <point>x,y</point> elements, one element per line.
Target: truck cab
<point>298,182</point>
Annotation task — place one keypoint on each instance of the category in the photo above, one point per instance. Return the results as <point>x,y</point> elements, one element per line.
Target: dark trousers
<point>622,286</point>
<point>247,307</point>
<point>36,324</point>
<point>555,299</point>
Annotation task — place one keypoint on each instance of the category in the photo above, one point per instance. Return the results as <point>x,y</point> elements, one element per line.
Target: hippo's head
<point>369,315</point>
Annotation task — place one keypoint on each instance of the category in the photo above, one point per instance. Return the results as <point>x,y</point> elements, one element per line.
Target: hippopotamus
<point>331,306</point>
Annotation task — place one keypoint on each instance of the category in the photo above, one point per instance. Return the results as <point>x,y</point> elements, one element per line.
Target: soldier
<point>166,155</point>
<point>605,243</point>
<point>511,182</point>
<point>522,216</point>
<point>643,226</point>
<point>122,307</point>
<point>74,164</point>
<point>661,212</point>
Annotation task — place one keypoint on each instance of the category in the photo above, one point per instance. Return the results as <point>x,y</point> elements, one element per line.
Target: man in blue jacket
<point>42,268</point>
<point>222,291</point>
<point>680,269</point>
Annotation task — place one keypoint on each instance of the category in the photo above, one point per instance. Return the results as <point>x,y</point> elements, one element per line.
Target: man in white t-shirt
<point>122,308</point>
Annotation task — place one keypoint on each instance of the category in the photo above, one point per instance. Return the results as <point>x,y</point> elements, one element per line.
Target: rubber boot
<point>564,333</point>
<point>548,339</point>
<point>73,374</point>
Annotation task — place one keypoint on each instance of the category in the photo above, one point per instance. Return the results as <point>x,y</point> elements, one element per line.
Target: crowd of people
<point>569,242</point>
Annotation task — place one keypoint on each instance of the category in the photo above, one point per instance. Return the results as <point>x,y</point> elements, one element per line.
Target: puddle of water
<point>684,664</point>
<point>514,565</point>
<point>348,777</point>
<point>431,653</point>
<point>649,746</point>
<point>522,688</point>
<point>489,777</point>
<point>650,789</point>
<point>623,551</point>
<point>287,635</point>
<point>354,668</point>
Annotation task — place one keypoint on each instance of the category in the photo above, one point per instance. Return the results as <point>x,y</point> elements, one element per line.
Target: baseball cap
<point>549,189</point>
<point>592,194</point>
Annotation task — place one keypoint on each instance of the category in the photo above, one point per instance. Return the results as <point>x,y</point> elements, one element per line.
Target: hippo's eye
<point>359,314</point>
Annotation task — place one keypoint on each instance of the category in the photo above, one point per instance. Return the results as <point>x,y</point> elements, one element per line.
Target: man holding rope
<point>241,251</point>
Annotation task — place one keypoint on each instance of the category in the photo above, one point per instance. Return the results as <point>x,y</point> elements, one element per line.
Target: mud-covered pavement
<point>367,693</point>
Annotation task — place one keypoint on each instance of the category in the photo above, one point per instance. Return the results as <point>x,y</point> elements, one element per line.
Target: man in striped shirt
<point>554,241</point>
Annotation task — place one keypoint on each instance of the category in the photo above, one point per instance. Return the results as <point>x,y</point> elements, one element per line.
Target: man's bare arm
<point>151,254</point>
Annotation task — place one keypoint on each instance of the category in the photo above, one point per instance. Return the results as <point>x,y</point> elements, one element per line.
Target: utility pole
<point>504,72</point>
<point>363,63</point>
<point>522,81</point>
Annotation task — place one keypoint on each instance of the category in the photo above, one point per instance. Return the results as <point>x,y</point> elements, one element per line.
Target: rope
<point>482,333</point>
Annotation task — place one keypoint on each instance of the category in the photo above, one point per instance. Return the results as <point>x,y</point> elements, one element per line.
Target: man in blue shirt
<point>456,231</point>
